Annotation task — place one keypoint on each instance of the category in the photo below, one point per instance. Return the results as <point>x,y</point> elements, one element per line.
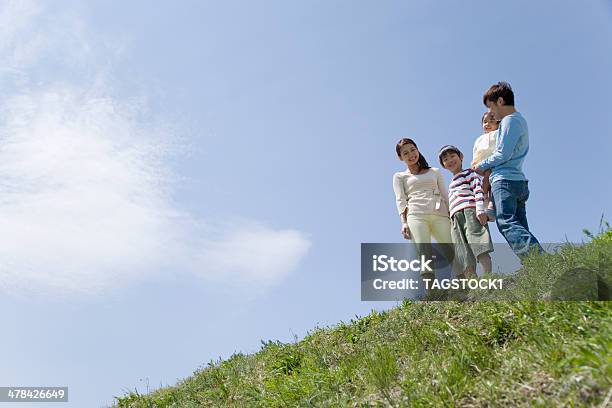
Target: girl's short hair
<point>421,162</point>
<point>484,115</point>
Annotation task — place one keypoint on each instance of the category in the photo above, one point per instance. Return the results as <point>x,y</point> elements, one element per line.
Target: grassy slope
<point>429,354</point>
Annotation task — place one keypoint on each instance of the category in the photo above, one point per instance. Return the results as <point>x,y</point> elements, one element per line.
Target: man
<point>509,187</point>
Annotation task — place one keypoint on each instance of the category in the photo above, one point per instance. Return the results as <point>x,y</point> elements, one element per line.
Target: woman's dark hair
<point>499,90</point>
<point>421,162</point>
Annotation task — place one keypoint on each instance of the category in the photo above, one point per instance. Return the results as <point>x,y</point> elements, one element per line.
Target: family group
<point>492,188</point>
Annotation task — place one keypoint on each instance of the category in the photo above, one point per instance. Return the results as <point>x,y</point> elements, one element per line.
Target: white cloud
<point>251,254</point>
<point>80,204</point>
<point>85,192</point>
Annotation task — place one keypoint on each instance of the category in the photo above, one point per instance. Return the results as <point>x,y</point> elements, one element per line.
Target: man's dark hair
<point>499,90</point>
<point>422,162</point>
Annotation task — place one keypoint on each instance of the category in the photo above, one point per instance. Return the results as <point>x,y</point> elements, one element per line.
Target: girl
<point>484,146</point>
<point>421,196</point>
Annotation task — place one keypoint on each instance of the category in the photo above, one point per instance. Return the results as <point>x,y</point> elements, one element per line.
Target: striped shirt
<point>465,191</point>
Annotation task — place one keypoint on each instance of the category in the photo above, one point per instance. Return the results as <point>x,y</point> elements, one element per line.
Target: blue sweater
<point>506,162</point>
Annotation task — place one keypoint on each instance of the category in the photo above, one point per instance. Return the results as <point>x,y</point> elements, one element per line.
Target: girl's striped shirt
<point>465,191</point>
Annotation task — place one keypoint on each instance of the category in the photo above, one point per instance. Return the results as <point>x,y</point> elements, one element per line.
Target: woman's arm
<point>442,187</point>
<point>401,199</point>
<point>404,216</point>
<point>404,220</point>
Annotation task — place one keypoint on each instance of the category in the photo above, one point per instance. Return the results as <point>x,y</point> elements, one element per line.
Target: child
<point>469,229</point>
<point>484,146</point>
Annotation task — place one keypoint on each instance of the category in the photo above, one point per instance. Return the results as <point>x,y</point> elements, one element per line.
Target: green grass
<point>431,354</point>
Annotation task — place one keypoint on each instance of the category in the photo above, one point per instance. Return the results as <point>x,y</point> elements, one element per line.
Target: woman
<point>421,196</point>
<point>422,200</point>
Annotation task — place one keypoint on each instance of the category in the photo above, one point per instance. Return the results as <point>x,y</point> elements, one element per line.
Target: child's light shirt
<point>506,162</point>
<point>484,146</point>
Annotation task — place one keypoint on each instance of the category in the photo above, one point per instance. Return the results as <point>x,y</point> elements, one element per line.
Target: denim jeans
<point>509,197</point>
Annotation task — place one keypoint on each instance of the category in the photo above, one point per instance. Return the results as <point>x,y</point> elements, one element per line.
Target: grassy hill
<point>430,354</point>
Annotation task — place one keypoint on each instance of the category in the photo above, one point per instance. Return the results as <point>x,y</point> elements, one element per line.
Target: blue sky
<point>179,182</point>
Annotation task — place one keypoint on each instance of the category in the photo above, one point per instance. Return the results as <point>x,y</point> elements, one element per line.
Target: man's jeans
<point>509,197</point>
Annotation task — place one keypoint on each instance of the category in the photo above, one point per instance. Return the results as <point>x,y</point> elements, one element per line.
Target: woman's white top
<point>484,146</point>
<point>421,193</point>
